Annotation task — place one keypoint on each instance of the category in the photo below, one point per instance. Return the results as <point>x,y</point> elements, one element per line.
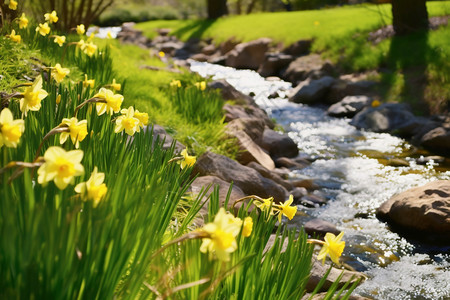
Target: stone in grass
<point>248,55</point>
<point>248,179</point>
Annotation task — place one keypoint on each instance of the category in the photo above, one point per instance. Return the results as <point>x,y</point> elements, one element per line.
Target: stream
<point>351,169</point>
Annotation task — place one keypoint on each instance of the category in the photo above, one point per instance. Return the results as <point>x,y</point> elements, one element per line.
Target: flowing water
<point>351,168</point>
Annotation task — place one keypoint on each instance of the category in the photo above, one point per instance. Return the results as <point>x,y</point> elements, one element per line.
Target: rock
<point>271,175</point>
<point>312,91</point>
<point>342,88</point>
<point>248,55</point>
<point>285,162</point>
<point>278,145</point>
<point>228,92</point>
<point>233,112</point>
<point>298,193</point>
<point>218,60</point>
<point>349,106</point>
<point>298,48</point>
<point>318,228</point>
<point>249,180</point>
<point>250,151</point>
<point>438,140</point>
<point>200,57</point>
<point>417,128</point>
<point>252,126</point>
<point>160,134</point>
<point>436,159</point>
<point>130,35</point>
<point>423,212</point>
<point>321,296</point>
<point>163,31</point>
<point>274,63</point>
<point>384,118</point>
<point>307,66</point>
<point>306,183</point>
<point>228,45</point>
<point>398,162</point>
<point>313,200</point>
<point>318,271</point>
<point>209,49</point>
<point>171,47</point>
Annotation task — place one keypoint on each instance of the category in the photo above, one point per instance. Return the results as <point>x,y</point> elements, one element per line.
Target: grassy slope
<point>288,27</point>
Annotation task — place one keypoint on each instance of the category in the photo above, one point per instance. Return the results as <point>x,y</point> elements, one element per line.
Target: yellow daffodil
<point>127,122</point>
<point>376,103</point>
<point>109,35</point>
<point>81,29</point>
<point>175,83</point>
<point>60,166</point>
<point>116,86</point>
<point>58,73</point>
<point>77,131</point>
<point>33,96</point>
<point>286,209</point>
<point>60,40</point>
<point>201,85</point>
<point>88,82</point>
<point>91,37</point>
<point>14,37</point>
<point>43,29</point>
<point>89,48</point>
<point>113,102</point>
<point>265,205</point>
<point>161,54</point>
<point>58,99</point>
<point>188,160</point>
<point>10,130</point>
<point>247,227</point>
<point>93,189</point>
<point>141,116</point>
<point>51,17</point>
<point>23,21</point>
<point>222,235</point>
<point>12,4</point>
<point>332,246</point>
<point>81,44</point>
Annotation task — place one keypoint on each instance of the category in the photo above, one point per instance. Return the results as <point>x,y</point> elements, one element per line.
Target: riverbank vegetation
<point>92,207</point>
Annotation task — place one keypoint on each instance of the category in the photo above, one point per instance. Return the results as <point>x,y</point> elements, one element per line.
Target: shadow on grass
<point>194,29</point>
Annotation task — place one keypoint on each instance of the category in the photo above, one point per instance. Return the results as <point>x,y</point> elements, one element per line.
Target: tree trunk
<point>217,8</point>
<point>409,16</point>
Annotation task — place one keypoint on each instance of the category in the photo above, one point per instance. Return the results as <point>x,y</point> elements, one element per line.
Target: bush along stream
<point>353,173</point>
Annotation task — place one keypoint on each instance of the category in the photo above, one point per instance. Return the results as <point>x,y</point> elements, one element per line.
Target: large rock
<point>298,48</point>
<point>249,180</point>
<point>274,63</point>
<point>342,88</point>
<point>384,118</point>
<point>248,55</point>
<point>228,92</point>
<point>437,140</point>
<point>252,126</point>
<point>307,66</point>
<point>233,112</point>
<point>318,271</point>
<point>271,175</point>
<point>278,145</point>
<point>130,35</point>
<point>161,135</point>
<point>423,211</point>
<point>249,150</point>
<point>317,227</point>
<point>349,106</point>
<point>312,91</point>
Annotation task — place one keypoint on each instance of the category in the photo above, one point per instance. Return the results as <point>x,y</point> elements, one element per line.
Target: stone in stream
<point>349,87</point>
<point>278,145</point>
<point>274,63</point>
<point>248,55</point>
<point>349,106</point>
<point>285,162</point>
<point>254,127</point>
<point>318,228</point>
<point>298,48</point>
<point>313,200</point>
<point>312,91</point>
<point>233,112</point>
<point>438,140</point>
<point>310,66</point>
<point>422,212</point>
<point>271,175</point>
<point>248,179</point>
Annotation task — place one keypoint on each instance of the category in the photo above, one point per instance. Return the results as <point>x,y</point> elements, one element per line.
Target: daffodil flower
<point>91,37</point>
<point>188,160</point>
<point>161,54</point>
<point>10,130</point>
<point>12,4</point>
<point>77,131</point>
<point>127,122</point>
<point>201,85</point>
<point>33,96</point>
<point>109,35</point>
<point>332,246</point>
<point>51,17</point>
<point>93,189</point>
<point>141,116</point>
<point>222,235</point>
<point>14,37</point>
<point>113,102</point>
<point>175,83</point>
<point>265,205</point>
<point>286,209</point>
<point>23,21</point>
<point>88,82</point>
<point>81,29</point>
<point>58,73</point>
<point>43,29</point>
<point>81,44</point>
<point>60,40</point>
<point>60,166</point>
<point>247,227</point>
<point>116,86</point>
<point>89,48</point>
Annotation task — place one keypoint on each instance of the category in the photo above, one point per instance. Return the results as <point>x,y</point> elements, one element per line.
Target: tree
<point>217,8</point>
<point>409,16</point>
